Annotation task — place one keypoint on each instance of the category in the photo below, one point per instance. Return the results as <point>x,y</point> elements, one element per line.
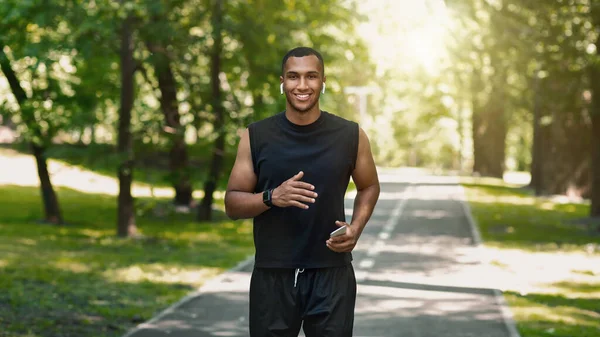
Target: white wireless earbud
<point>323,91</point>
<point>281,88</point>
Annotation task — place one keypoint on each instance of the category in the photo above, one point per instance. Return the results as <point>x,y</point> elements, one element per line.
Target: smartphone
<point>338,232</point>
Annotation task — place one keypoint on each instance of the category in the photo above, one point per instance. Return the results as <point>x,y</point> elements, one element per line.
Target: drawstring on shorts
<point>298,271</point>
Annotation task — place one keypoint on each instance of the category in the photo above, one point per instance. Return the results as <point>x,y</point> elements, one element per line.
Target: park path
<point>417,265</point>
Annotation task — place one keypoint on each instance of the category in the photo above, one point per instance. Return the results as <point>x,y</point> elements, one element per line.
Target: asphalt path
<point>417,266</point>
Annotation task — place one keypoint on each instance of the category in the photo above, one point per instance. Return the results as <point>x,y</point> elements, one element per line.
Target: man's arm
<point>240,200</point>
<point>367,184</point>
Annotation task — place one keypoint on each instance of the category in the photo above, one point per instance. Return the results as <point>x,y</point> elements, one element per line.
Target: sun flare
<point>405,34</point>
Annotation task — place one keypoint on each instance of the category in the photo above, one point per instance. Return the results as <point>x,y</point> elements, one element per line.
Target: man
<point>291,174</point>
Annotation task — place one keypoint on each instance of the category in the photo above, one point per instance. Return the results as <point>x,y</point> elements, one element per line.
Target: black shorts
<point>322,299</point>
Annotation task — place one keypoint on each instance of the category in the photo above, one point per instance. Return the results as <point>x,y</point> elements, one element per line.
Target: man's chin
<point>303,109</point>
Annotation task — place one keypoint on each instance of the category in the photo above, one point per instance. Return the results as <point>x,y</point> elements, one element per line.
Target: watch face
<point>267,198</point>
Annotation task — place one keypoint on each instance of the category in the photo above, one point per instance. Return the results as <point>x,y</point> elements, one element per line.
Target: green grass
<point>541,315</point>
<point>81,280</point>
<point>511,218</point>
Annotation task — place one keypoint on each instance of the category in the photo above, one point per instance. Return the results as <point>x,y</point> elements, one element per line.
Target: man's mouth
<point>302,97</point>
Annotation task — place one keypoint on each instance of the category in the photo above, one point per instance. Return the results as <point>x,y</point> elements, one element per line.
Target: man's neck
<point>303,118</point>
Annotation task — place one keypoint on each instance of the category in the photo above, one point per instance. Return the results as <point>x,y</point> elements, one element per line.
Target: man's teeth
<point>302,96</point>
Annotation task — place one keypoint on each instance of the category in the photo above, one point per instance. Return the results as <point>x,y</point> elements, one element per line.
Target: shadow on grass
<point>551,300</point>
<point>46,301</point>
<point>571,287</point>
<point>82,280</point>
<point>555,315</point>
<point>91,228</point>
<point>514,218</point>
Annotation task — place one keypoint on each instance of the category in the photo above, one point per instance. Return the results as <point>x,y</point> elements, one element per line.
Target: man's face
<point>302,82</point>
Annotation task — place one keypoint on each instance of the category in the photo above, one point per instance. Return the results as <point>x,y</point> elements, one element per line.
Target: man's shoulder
<point>267,121</point>
<point>341,120</point>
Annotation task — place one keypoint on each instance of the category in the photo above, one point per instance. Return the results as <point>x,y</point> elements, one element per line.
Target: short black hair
<point>301,52</point>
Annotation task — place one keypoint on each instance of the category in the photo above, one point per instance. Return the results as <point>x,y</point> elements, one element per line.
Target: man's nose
<point>303,83</point>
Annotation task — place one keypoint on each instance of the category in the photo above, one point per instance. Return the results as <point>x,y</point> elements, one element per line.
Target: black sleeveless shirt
<point>325,151</point>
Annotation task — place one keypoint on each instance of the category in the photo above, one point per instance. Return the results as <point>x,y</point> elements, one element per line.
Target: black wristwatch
<point>268,198</point>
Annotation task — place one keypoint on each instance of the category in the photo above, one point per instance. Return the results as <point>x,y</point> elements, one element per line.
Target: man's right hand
<point>294,192</point>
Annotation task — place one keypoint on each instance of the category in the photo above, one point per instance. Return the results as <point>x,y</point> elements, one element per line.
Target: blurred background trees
<point>159,90</point>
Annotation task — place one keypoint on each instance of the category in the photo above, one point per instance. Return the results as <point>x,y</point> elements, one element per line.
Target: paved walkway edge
<point>506,313</point>
<point>243,264</point>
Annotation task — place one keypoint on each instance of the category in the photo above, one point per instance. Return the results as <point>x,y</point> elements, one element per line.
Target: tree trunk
<point>595,116</point>
<point>595,148</point>
<point>489,135</point>
<point>595,190</point>
<point>52,210</point>
<point>485,130</point>
<point>567,148</point>
<point>125,212</point>
<point>489,128</point>
<point>536,148</point>
<point>210,185</point>
<point>51,206</point>
<point>178,156</point>
<point>563,133</point>
<point>461,136</point>
<point>477,135</point>
<point>180,169</point>
<point>93,134</point>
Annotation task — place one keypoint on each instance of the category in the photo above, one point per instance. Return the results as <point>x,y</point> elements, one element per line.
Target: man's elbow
<point>377,188</point>
<point>229,209</point>
<point>232,214</point>
<point>373,187</point>
<point>229,212</point>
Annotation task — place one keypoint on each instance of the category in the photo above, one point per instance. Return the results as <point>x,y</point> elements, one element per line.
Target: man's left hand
<point>344,243</point>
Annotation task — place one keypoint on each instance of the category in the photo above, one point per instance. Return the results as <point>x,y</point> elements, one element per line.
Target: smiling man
<point>291,174</point>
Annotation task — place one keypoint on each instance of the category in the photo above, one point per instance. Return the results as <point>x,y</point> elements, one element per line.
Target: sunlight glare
<point>161,273</point>
<point>71,266</point>
<point>405,33</point>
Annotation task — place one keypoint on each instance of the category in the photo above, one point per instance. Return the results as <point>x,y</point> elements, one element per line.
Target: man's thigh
<point>273,308</point>
<point>331,298</point>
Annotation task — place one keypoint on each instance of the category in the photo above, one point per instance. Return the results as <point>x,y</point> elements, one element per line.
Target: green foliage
<point>254,55</point>
<point>65,56</point>
<point>81,280</point>
<point>37,41</point>
<point>544,49</point>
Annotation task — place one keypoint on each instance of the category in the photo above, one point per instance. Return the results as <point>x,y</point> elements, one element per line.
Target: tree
<point>126,215</point>
<point>561,141</point>
<point>216,163</point>
<point>527,70</point>
<point>166,38</point>
<point>51,208</point>
<point>30,32</point>
<point>595,115</point>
